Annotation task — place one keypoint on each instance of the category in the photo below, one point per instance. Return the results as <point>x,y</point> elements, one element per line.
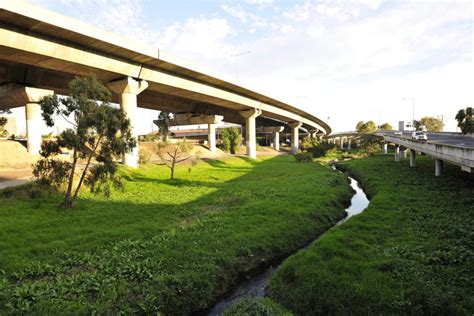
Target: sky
<point>341,60</point>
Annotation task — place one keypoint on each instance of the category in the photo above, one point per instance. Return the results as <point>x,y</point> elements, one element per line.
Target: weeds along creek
<point>255,284</point>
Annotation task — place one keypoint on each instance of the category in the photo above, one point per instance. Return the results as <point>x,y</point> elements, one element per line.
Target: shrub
<point>231,139</point>
<point>304,157</point>
<point>143,156</point>
<point>308,143</point>
<point>371,148</point>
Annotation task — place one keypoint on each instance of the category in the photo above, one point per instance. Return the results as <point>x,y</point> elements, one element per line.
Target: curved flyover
<point>41,51</point>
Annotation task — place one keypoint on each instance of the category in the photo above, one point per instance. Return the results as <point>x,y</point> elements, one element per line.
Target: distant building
<point>405,126</point>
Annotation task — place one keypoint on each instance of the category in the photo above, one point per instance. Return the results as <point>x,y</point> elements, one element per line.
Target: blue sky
<point>348,60</point>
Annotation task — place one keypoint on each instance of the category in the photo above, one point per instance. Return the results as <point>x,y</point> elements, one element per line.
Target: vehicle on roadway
<point>420,135</point>
<point>398,134</point>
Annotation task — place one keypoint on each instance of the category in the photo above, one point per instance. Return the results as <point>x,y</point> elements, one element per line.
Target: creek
<point>255,284</point>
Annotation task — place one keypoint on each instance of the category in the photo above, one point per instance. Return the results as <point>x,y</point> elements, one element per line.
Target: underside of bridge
<point>41,51</point>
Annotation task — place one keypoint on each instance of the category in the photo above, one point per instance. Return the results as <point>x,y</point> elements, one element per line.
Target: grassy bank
<point>161,246</point>
<point>410,252</point>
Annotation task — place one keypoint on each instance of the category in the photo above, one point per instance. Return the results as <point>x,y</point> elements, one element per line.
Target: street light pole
<point>237,55</point>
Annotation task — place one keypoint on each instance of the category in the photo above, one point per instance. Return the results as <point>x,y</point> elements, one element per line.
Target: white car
<point>419,136</point>
<point>399,134</point>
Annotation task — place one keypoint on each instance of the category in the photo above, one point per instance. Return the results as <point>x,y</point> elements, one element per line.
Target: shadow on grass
<point>189,252</point>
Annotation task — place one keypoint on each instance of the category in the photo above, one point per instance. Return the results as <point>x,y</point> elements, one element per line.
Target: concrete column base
<point>250,131</point>
<point>295,141</point>
<point>276,141</point>
<point>211,137</point>
<point>33,128</point>
<point>403,154</point>
<point>439,166</point>
<point>128,89</point>
<point>412,158</point>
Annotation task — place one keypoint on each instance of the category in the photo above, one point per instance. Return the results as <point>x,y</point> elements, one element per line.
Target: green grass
<point>257,306</point>
<point>161,245</point>
<point>410,252</point>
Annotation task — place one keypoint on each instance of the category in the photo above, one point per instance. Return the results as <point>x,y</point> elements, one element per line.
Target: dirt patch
<point>13,154</point>
<point>7,174</point>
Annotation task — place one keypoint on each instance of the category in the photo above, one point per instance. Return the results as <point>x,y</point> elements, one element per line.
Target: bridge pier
<point>412,158</point>
<point>384,148</point>
<point>397,153</point>
<point>349,144</point>
<point>294,136</point>
<point>127,90</point>
<point>211,137</point>
<point>15,95</point>
<point>250,131</point>
<point>276,136</point>
<point>342,143</point>
<point>403,153</point>
<point>33,127</point>
<point>439,166</point>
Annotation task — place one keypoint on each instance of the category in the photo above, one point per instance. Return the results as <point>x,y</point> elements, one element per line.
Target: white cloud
<point>346,57</point>
<point>259,2</point>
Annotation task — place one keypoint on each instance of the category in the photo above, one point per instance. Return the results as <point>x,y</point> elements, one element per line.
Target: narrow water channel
<point>255,285</point>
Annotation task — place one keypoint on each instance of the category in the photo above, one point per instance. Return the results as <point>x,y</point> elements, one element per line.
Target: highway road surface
<point>452,139</point>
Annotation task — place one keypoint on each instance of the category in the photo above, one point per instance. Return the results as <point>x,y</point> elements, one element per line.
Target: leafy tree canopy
<point>465,118</point>
<point>386,127</point>
<point>432,124</point>
<point>96,131</point>
<point>3,122</point>
<point>366,127</point>
<point>163,123</point>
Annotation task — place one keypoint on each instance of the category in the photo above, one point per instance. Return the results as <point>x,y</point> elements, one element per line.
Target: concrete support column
<point>276,141</point>
<point>349,144</point>
<point>211,137</point>
<point>384,148</point>
<point>15,95</point>
<point>250,131</point>
<point>397,153</point>
<point>295,141</point>
<point>342,143</point>
<point>403,153</point>
<point>128,89</point>
<point>439,166</point>
<point>412,158</point>
<point>33,128</point>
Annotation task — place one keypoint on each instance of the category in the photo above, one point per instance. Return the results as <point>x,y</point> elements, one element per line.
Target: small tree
<point>231,139</point>
<point>432,124</point>
<point>164,119</point>
<point>3,122</point>
<point>96,130</point>
<point>173,154</point>
<point>386,127</point>
<point>366,127</point>
<point>465,118</point>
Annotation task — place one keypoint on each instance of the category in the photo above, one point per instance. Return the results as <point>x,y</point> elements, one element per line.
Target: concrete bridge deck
<point>452,147</point>
<point>41,51</point>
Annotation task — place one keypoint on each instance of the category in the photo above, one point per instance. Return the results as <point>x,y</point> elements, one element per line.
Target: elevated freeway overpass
<point>455,148</point>
<point>41,51</point>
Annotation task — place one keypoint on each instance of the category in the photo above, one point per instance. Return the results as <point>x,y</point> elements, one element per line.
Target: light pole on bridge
<point>236,56</point>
